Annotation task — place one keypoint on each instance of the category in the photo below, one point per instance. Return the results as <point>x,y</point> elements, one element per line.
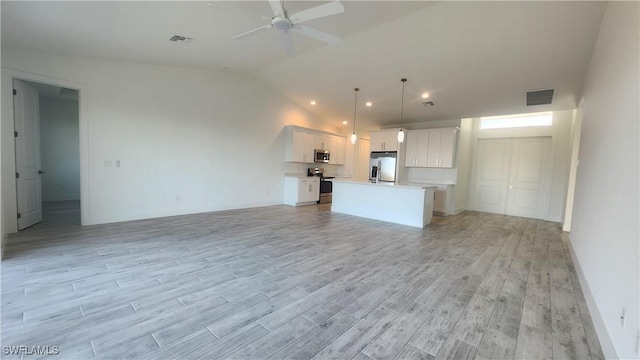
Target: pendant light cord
<point>402,104</point>
<point>355,104</point>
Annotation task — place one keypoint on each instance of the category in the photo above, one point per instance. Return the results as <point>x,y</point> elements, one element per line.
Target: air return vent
<point>179,38</point>
<point>539,97</point>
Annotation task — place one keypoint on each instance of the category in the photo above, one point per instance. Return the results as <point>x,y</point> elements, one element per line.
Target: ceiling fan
<point>284,22</point>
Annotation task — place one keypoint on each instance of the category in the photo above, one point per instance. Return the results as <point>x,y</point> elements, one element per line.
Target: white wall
<point>60,149</point>
<point>187,140</point>
<point>463,165</point>
<point>560,133</point>
<point>604,234</point>
<point>3,217</point>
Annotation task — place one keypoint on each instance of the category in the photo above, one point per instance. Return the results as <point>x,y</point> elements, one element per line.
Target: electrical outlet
<point>177,197</point>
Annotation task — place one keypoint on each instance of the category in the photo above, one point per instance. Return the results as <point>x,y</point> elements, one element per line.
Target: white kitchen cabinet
<point>433,153</point>
<point>301,144</point>
<point>442,147</point>
<point>411,149</point>
<point>301,191</point>
<point>417,148</point>
<point>448,147</point>
<point>322,141</point>
<point>444,200</point>
<point>337,149</point>
<point>299,147</point>
<point>433,148</point>
<point>439,202</point>
<point>384,140</point>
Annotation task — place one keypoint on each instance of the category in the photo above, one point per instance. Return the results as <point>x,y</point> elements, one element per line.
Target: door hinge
<point>19,216</point>
<point>17,175</point>
<point>15,92</point>
<point>15,134</point>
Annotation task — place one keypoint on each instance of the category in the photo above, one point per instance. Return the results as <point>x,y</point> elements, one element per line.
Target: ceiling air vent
<point>177,38</point>
<point>539,97</point>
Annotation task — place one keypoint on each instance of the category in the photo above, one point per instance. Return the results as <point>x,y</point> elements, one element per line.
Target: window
<point>516,121</point>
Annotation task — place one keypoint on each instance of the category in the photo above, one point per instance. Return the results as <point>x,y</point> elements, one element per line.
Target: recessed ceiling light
<point>368,103</point>
<point>425,95</point>
<point>313,102</point>
<point>345,122</point>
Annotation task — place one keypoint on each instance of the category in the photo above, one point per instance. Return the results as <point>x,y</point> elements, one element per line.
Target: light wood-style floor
<point>295,283</point>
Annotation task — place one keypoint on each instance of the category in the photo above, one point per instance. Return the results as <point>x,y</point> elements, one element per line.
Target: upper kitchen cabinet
<point>322,141</point>
<point>433,148</point>
<point>384,140</point>
<point>300,143</point>
<point>337,150</point>
<point>442,147</point>
<point>417,148</point>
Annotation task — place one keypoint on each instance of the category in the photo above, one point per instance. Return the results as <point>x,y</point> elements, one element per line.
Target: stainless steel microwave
<point>321,156</point>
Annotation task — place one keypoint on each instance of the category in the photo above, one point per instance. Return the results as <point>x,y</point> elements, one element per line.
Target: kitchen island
<point>406,204</point>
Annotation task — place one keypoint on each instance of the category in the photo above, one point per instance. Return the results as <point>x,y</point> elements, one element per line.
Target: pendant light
<point>401,132</point>
<point>354,137</point>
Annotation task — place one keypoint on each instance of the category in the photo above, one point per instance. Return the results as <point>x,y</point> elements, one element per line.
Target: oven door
<point>326,191</point>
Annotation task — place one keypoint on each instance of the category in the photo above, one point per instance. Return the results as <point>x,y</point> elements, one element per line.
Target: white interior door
<point>491,175</point>
<point>528,178</point>
<point>512,176</point>
<point>27,142</point>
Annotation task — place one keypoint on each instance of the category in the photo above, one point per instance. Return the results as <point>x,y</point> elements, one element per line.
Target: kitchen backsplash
<point>426,175</point>
<point>301,169</point>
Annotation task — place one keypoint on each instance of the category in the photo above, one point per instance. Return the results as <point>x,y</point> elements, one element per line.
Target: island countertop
<point>400,185</point>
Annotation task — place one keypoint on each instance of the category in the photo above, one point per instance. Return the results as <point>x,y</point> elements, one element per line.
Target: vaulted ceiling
<point>473,58</point>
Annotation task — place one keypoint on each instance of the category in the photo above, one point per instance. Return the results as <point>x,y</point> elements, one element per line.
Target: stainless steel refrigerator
<point>382,166</point>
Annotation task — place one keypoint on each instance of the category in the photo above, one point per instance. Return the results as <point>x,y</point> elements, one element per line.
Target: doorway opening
<point>47,145</point>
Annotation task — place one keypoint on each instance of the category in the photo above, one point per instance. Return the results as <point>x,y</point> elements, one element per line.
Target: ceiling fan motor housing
<point>281,23</point>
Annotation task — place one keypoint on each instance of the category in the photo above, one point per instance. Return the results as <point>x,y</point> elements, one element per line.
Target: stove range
<point>326,186</point>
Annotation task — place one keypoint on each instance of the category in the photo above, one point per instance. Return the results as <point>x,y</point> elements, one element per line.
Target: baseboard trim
<point>116,218</point>
<point>62,198</point>
<point>459,210</point>
<point>598,323</point>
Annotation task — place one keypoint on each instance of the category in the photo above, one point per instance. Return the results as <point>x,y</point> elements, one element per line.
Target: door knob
<point>40,172</point>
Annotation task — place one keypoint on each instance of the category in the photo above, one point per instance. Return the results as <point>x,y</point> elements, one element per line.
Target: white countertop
<point>387,184</point>
<point>305,176</point>
<point>433,182</point>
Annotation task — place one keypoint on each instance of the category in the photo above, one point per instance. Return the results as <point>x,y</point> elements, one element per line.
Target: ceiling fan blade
<point>332,8</point>
<point>288,43</point>
<point>317,34</point>
<point>276,7</point>
<point>251,32</point>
